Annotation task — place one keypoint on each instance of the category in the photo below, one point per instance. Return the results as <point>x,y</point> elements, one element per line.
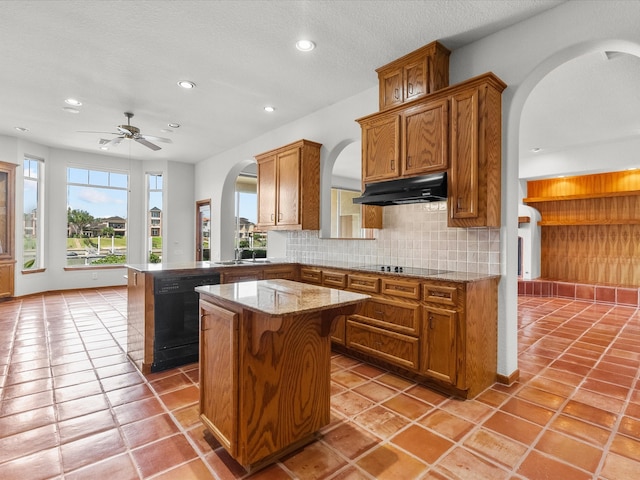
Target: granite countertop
<point>412,272</point>
<point>282,297</point>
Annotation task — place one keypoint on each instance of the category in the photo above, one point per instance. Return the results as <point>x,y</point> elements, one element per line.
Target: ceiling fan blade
<point>114,143</point>
<point>106,133</point>
<point>157,139</point>
<point>147,143</point>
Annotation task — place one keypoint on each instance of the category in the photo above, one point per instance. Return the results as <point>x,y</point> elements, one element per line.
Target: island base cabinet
<point>264,380</point>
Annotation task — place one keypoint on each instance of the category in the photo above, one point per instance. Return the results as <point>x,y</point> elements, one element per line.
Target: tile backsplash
<point>414,235</point>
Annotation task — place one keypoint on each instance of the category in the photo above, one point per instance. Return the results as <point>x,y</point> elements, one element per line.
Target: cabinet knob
<point>396,94</point>
<point>410,88</point>
<point>408,161</point>
<point>272,217</point>
<point>393,165</point>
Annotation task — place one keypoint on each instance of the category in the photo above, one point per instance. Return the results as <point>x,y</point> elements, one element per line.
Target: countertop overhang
<point>282,297</point>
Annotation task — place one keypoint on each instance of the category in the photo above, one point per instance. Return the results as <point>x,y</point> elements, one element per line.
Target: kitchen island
<point>265,354</point>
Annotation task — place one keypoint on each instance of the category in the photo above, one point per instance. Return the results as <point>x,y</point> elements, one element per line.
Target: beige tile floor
<point>73,407</point>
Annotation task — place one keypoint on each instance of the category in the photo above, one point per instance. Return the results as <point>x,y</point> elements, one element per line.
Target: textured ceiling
<point>118,56</point>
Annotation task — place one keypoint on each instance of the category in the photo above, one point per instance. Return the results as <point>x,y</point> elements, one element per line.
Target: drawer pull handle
<point>431,327</point>
<point>396,94</point>
<point>439,294</point>
<point>379,312</point>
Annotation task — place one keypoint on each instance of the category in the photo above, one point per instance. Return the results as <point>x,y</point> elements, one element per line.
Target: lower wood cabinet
<point>6,279</point>
<point>397,348</point>
<point>439,345</point>
<point>247,273</point>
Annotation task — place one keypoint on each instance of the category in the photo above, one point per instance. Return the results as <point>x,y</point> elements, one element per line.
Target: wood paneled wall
<point>590,227</point>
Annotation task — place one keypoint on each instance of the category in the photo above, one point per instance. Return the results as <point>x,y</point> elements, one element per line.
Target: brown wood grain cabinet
<point>248,272</point>
<point>414,75</point>
<point>7,226</point>
<point>288,180</point>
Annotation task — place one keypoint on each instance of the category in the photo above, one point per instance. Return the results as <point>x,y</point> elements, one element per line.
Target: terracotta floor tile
<point>446,424</point>
<point>85,425</point>
<point>129,394</point>
<point>350,440</point>
<point>348,378</point>
<point>513,427</point>
<point>617,467</point>
<point>91,449</point>
<point>81,406</point>
<point>37,466</point>
<point>193,470</point>
<point>26,402</point>
<point>590,414</point>
<point>121,381</point>
<point>315,461</point>
<point>66,368</point>
<point>28,442</point>
<point>571,451</point>
<point>367,370</point>
<point>73,392</point>
<point>162,455</point>
<point>350,404</point>
<point>149,430</point>
<point>498,448</point>
<point>28,420</point>
<point>181,398</point>
<point>116,369</point>
<point>348,473</point>
<point>600,401</point>
<point>463,464</point>
<point>375,392</point>
<point>171,382</point>
<point>542,398</point>
<point>422,443</point>
<point>189,416</point>
<point>138,410</point>
<point>389,463</point>
<point>540,467</point>
<point>120,467</point>
<point>587,432</point>
<point>394,381</point>
<point>628,447</point>
<point>492,397</point>
<point>381,421</point>
<point>528,411</point>
<point>342,361</point>
<point>427,395</point>
<point>472,410</point>
<point>204,440</point>
<point>407,406</point>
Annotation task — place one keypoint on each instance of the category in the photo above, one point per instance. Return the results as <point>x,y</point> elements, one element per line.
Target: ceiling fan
<point>133,133</point>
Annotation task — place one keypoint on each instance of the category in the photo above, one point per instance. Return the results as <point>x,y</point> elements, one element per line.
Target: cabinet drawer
<point>235,277</point>
<point>363,283</point>
<point>401,288</point>
<point>441,294</point>
<point>311,275</point>
<point>392,347</point>
<point>402,317</point>
<point>334,279</point>
<point>286,273</point>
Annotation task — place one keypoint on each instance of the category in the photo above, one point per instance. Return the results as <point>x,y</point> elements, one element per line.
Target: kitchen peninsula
<point>265,352</point>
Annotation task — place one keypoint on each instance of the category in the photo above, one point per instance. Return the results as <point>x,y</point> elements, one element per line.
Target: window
<point>154,219</point>
<point>249,241</point>
<point>97,205</point>
<point>32,215</point>
<point>345,215</point>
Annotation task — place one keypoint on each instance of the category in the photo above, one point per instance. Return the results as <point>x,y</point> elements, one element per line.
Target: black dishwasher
<point>176,318</point>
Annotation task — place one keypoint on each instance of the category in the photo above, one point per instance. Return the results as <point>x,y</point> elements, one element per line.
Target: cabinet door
<point>463,180</point>
<point>267,191</point>
<point>390,84</point>
<point>393,347</point>
<point>6,280</point>
<point>415,79</point>
<point>381,149</point>
<point>288,190</point>
<point>219,373</point>
<point>439,344</point>
<point>338,333</point>
<point>426,138</point>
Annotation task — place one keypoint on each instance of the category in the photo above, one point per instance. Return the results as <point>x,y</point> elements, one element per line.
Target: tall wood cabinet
<point>7,225</point>
<point>289,187</point>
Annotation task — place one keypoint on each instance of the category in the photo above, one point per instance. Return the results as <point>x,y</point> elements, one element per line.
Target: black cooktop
<point>404,270</point>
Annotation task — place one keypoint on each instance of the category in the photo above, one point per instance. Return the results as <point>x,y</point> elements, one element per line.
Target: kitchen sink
<point>230,262</point>
<point>256,260</point>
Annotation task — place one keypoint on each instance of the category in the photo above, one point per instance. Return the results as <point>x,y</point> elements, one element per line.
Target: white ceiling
<point>118,56</point>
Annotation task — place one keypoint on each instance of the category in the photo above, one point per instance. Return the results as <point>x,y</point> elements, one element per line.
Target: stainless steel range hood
<point>427,188</point>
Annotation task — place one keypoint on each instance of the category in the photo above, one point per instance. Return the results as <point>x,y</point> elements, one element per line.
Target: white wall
<point>520,55</point>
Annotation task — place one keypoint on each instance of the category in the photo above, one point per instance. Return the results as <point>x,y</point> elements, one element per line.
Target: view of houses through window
<point>97,206</point>
<point>249,242</point>
<point>32,215</point>
<point>154,217</point>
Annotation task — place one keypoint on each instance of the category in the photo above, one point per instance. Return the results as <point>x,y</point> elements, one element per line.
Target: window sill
<point>94,267</point>
<point>34,270</point>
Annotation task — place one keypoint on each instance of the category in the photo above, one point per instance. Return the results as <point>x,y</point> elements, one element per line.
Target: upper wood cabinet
<point>7,222</point>
<point>414,75</point>
<point>288,180</point>
<point>475,161</point>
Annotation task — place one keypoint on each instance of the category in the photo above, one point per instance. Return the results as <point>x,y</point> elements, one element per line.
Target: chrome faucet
<point>237,254</point>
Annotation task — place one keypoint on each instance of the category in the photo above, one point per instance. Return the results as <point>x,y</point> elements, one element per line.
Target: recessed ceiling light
<point>305,45</point>
<point>186,84</point>
<point>536,150</point>
<point>173,125</point>
<point>73,101</point>
<point>70,110</point>
<point>21,129</point>
<point>104,147</point>
<point>269,108</point>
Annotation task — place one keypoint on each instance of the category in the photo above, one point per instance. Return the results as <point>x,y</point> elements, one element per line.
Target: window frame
<point>39,261</point>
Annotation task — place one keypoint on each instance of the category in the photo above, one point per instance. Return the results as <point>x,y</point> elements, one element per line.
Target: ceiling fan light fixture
<point>305,45</point>
<point>173,125</point>
<point>73,102</point>
<point>186,84</point>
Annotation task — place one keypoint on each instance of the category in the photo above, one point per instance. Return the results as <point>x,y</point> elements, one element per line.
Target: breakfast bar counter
<point>265,353</point>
